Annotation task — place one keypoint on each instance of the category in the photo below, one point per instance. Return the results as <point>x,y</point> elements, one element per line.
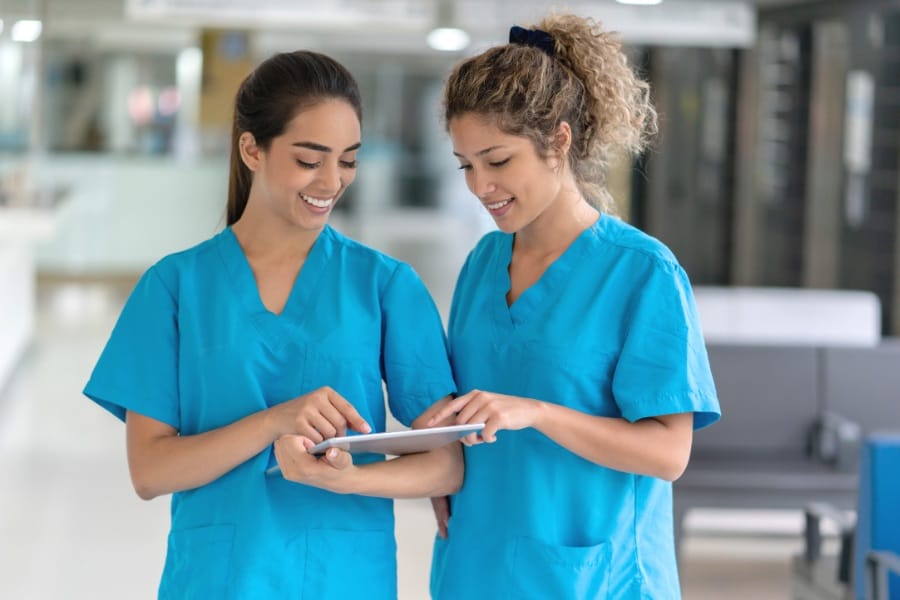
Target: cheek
<point>470,180</point>
<point>349,177</point>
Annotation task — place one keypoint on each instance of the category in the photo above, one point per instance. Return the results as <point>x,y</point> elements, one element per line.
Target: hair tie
<point>535,38</point>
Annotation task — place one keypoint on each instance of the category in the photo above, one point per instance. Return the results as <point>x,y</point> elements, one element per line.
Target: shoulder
<point>627,243</point>
<point>172,269</point>
<point>386,270</point>
<point>651,285</point>
<point>360,254</point>
<point>488,246</point>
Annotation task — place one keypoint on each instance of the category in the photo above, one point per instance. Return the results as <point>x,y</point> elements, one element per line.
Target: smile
<point>498,205</point>
<point>317,202</point>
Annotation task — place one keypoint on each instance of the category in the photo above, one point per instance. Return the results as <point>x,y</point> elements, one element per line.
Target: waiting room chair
<point>867,566</point>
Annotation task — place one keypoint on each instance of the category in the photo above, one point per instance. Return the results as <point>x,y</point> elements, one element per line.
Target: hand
<point>496,411</point>
<point>331,471</point>
<point>441,507</point>
<point>318,415</point>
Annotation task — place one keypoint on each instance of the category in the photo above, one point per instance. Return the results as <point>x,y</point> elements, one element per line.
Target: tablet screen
<point>396,443</point>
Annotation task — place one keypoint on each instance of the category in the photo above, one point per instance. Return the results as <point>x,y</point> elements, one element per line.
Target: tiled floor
<point>71,527</point>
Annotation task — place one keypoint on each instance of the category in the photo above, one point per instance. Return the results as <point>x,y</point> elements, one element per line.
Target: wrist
<point>270,423</point>
<point>540,410</point>
<point>338,483</point>
<point>344,482</point>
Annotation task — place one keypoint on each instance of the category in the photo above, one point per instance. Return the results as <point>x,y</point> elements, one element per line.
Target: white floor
<point>71,527</point>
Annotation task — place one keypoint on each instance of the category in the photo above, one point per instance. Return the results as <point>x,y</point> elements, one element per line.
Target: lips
<point>499,205</point>
<point>317,202</point>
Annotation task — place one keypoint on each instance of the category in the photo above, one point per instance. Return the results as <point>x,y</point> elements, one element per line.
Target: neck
<point>558,226</point>
<point>269,239</point>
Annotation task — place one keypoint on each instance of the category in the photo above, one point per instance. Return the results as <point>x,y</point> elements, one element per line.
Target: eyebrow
<point>321,148</point>
<point>480,152</point>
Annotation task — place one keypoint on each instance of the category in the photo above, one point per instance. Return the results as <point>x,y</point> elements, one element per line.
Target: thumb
<point>338,459</point>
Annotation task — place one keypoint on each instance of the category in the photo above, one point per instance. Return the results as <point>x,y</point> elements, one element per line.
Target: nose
<point>480,183</point>
<point>330,177</point>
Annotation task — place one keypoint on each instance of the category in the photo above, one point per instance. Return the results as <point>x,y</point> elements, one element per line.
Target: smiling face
<point>513,182</point>
<point>305,170</point>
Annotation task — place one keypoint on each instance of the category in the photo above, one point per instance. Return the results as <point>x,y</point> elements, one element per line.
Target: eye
<point>465,167</point>
<point>307,165</point>
<point>348,164</point>
<point>499,163</point>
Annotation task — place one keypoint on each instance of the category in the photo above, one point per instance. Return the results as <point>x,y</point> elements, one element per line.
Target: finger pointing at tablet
<point>496,411</point>
<point>320,414</point>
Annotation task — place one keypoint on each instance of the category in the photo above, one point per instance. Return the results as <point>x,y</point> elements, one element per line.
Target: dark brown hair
<point>272,95</point>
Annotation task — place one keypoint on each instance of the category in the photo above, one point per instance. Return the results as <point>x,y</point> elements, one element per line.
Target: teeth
<point>497,205</point>
<point>318,203</point>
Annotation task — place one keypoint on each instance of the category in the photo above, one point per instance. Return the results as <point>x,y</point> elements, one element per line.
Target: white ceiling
<point>379,25</point>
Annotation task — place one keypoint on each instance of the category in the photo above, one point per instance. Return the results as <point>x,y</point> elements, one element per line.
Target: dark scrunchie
<point>535,38</point>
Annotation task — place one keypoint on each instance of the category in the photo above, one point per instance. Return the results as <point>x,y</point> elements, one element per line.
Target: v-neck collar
<point>549,285</point>
<point>275,329</point>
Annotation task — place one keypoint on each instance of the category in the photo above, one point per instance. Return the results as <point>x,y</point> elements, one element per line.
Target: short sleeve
<point>415,363</point>
<point>663,367</point>
<point>138,368</point>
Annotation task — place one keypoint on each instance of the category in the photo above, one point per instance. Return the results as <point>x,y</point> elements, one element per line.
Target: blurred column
<point>10,74</point>
<point>824,177</point>
<point>226,62</point>
<point>120,81</point>
<point>37,142</point>
<point>188,81</point>
<point>745,267</point>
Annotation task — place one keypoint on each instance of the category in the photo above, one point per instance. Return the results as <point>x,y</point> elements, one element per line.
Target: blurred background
<point>775,180</point>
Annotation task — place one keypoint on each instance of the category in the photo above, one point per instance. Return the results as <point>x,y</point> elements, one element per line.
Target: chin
<point>506,226</point>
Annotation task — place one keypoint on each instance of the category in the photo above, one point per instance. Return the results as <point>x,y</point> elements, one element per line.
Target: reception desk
<point>21,228</point>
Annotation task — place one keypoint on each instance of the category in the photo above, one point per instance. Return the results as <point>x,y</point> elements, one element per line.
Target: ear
<point>250,152</point>
<point>562,141</point>
<point>559,146</point>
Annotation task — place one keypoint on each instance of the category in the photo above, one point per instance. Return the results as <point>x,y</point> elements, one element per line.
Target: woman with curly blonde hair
<point>574,336</point>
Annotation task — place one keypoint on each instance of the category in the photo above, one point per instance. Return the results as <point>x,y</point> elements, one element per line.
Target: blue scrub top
<point>196,348</point>
<point>610,329</point>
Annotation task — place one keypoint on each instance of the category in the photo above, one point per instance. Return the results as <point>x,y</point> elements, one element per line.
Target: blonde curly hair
<point>588,84</point>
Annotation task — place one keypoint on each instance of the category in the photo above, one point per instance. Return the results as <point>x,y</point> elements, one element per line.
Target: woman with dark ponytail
<point>235,356</point>
<point>573,336</point>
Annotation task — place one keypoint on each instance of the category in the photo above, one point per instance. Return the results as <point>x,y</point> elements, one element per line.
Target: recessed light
<point>448,39</point>
<point>26,30</point>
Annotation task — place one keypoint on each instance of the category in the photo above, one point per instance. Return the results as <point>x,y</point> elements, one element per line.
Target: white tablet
<point>395,443</point>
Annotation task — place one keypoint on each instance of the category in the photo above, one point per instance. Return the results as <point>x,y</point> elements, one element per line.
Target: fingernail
<point>332,453</point>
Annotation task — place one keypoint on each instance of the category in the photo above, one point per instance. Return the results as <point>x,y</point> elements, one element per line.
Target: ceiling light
<point>26,30</point>
<point>446,35</point>
<point>645,2</point>
<point>448,39</point>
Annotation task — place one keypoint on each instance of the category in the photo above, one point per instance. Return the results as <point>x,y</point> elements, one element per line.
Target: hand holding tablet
<point>395,443</point>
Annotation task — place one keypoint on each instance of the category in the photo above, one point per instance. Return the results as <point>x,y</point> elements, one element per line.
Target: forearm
<point>162,462</point>
<point>435,473</point>
<point>659,447</point>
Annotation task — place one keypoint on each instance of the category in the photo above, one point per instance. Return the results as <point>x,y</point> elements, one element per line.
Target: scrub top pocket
<point>198,562</point>
<point>372,554</point>
<point>542,571</point>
